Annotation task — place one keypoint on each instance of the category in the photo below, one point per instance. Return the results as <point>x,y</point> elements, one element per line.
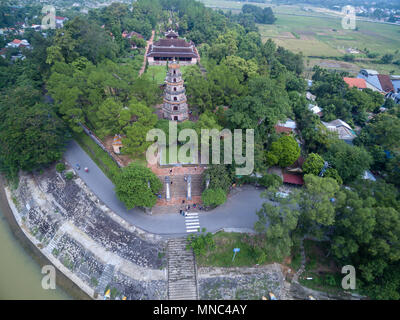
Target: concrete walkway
<point>239,213</point>
<point>149,42</point>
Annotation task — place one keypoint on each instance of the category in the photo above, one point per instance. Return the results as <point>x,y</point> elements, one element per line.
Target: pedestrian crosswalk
<point>192,222</point>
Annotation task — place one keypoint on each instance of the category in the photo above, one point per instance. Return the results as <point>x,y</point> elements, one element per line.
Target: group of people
<point>186,209</point>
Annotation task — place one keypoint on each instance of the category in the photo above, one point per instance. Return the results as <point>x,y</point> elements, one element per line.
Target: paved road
<point>239,212</point>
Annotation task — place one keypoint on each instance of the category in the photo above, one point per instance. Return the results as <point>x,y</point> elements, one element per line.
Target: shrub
<point>60,167</point>
<point>201,243</point>
<point>313,164</point>
<point>213,197</point>
<point>69,175</point>
<point>270,180</point>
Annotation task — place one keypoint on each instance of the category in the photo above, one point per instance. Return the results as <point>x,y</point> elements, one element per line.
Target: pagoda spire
<point>175,103</point>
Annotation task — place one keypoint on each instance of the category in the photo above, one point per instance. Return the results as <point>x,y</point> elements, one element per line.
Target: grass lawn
<point>98,155</point>
<point>222,255</point>
<point>158,73</point>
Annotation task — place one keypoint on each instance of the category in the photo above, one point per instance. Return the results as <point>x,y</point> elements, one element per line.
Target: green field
<point>318,33</point>
<point>324,37</point>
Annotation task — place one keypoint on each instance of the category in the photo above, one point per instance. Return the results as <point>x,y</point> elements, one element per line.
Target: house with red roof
<point>60,21</point>
<point>377,82</point>
<point>17,43</point>
<point>291,178</point>
<point>286,127</point>
<point>360,84</point>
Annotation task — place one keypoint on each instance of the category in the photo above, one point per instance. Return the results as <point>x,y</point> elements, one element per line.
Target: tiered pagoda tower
<point>175,106</point>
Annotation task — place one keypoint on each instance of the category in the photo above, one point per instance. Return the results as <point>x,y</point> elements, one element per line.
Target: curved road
<point>238,212</point>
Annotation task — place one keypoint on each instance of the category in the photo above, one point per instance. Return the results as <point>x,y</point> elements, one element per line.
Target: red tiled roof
<point>386,83</point>
<point>355,82</point>
<point>280,129</point>
<point>16,41</point>
<point>60,18</point>
<point>293,179</point>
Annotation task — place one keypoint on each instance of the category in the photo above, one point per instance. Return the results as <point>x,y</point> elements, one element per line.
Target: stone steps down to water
<point>182,273</point>
<point>105,279</point>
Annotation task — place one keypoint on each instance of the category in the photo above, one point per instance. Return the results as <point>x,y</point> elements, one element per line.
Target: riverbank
<point>32,251</point>
<point>70,228</point>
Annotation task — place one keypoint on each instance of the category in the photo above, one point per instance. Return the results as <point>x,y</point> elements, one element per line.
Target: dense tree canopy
<point>136,186</point>
<point>32,136</point>
<point>283,152</point>
<point>349,161</point>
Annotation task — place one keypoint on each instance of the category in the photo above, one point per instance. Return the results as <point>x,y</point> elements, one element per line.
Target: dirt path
<point>149,42</point>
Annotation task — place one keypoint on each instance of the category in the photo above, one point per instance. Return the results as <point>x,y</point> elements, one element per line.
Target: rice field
<point>318,34</point>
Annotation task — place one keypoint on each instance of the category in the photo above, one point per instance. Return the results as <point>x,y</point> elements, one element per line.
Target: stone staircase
<point>54,241</point>
<point>182,271</point>
<point>178,188</point>
<point>105,278</point>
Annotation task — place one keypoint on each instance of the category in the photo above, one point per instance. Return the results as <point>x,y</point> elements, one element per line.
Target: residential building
<point>310,96</point>
<point>60,21</point>
<point>315,109</point>
<point>376,81</point>
<point>359,83</point>
<point>287,127</point>
<point>16,43</point>
<point>344,131</point>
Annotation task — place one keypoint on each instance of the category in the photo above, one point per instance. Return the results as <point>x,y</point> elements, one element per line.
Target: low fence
<point>100,144</point>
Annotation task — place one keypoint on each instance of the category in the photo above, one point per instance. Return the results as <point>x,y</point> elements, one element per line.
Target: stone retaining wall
<point>80,236</point>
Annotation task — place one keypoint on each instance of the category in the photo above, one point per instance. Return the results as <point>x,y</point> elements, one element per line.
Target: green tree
<point>313,164</point>
<point>219,177</point>
<point>277,224</point>
<point>136,186</point>
<point>213,197</point>
<point>143,120</point>
<point>354,226</point>
<point>316,203</point>
<point>31,137</point>
<point>383,130</point>
<point>283,152</point>
<point>349,161</point>
<point>112,117</point>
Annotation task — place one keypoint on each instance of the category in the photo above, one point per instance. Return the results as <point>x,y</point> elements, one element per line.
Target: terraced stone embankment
<point>86,241</point>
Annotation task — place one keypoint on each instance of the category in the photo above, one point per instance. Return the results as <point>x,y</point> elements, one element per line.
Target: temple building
<point>175,106</point>
<point>172,48</point>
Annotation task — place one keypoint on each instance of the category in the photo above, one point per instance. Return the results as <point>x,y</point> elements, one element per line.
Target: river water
<point>20,274</point>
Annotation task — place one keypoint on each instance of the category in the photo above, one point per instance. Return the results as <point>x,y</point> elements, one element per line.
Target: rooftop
<point>356,82</point>
<point>293,179</point>
<point>344,131</point>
